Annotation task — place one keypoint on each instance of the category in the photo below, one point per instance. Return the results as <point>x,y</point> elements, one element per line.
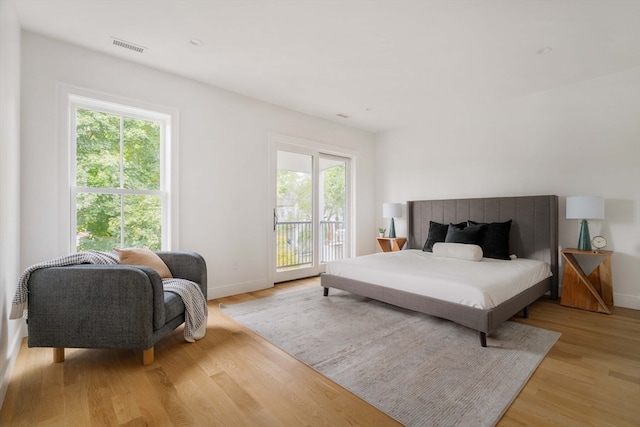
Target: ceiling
<point>384,64</point>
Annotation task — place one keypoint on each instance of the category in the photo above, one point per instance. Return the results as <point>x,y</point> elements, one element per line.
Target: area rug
<point>420,370</point>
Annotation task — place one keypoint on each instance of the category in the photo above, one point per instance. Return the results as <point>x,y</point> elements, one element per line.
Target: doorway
<point>311,214</point>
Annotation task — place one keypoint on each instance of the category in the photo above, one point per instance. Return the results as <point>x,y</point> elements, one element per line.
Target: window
<point>119,188</point>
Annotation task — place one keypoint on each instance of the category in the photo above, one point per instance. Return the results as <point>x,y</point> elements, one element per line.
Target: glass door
<point>333,241</point>
<point>310,218</point>
<point>294,216</point>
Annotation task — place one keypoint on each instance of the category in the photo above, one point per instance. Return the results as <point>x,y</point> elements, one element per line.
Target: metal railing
<point>295,243</point>
<point>331,241</point>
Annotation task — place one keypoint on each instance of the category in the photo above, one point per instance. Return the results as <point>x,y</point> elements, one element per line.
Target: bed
<point>533,235</point>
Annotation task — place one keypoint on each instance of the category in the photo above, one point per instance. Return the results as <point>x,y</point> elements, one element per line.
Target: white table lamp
<point>392,210</point>
<point>584,208</point>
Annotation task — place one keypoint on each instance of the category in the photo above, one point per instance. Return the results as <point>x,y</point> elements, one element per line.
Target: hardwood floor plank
<point>125,408</point>
<point>134,378</point>
<point>99,396</point>
<point>205,403</point>
<point>250,407</point>
<point>26,410</point>
<point>52,408</point>
<point>256,382</point>
<point>165,391</point>
<point>11,397</point>
<point>591,377</point>
<point>624,376</point>
<point>76,409</point>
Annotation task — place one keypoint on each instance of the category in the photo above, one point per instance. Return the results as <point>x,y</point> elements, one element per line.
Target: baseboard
<point>7,365</point>
<point>237,288</point>
<point>627,301</point>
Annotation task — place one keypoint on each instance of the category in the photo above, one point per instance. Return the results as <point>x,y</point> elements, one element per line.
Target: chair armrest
<point>82,298</point>
<point>187,265</point>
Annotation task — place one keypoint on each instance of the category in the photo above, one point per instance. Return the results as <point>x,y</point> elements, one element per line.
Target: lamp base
<point>584,241</point>
<point>392,229</point>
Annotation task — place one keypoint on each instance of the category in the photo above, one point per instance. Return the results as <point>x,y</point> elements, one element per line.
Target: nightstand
<point>391,244</point>
<point>592,292</point>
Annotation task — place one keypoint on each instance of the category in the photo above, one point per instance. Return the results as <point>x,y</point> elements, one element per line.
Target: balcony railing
<point>295,243</point>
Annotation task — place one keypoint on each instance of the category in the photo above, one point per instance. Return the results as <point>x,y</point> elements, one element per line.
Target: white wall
<point>582,139</point>
<point>223,167</point>
<point>11,331</point>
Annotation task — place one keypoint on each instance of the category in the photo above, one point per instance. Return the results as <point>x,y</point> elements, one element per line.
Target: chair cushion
<point>173,306</point>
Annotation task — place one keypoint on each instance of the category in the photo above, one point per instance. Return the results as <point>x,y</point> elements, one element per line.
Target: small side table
<point>592,292</point>
<point>391,244</point>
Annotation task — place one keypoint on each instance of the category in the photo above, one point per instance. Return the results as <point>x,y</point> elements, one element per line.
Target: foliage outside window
<point>334,192</point>
<point>117,196</point>
<point>294,234</point>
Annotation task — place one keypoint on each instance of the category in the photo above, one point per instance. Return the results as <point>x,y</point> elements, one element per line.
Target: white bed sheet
<point>481,284</point>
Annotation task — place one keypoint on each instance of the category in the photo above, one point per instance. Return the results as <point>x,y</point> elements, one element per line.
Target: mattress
<point>480,284</point>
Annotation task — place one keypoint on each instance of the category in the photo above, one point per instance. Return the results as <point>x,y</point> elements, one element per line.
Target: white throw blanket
<point>195,304</point>
<point>195,307</point>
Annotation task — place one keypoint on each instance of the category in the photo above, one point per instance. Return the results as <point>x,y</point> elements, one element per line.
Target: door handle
<point>275,220</point>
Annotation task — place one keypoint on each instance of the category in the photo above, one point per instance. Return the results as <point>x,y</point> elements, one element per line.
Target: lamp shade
<point>391,210</point>
<point>585,207</point>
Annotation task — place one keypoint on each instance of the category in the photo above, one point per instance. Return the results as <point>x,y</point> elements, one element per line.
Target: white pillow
<point>463,251</point>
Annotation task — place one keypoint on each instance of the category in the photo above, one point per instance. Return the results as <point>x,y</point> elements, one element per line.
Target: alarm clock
<point>598,242</point>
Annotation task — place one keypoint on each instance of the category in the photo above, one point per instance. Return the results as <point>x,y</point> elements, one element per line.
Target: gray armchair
<point>108,306</point>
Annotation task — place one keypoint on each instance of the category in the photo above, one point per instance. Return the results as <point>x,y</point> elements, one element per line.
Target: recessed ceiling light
<point>544,51</point>
<point>195,42</point>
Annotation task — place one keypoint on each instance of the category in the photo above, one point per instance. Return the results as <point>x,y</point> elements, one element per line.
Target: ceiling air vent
<point>128,45</point>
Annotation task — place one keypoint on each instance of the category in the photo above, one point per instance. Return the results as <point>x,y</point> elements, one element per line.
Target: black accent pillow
<point>495,242</point>
<point>470,235</point>
<point>437,233</point>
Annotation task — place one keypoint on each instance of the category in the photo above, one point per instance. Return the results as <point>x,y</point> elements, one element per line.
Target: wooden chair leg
<point>58,355</point>
<point>147,356</point>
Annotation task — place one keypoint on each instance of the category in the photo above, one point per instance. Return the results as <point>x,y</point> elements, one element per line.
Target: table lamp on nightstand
<point>392,210</point>
<point>584,208</point>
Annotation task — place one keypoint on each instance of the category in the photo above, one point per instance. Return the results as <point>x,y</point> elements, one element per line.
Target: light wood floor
<point>234,378</point>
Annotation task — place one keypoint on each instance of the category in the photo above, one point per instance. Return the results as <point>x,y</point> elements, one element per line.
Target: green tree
<point>334,193</point>
<point>107,144</point>
<point>294,195</point>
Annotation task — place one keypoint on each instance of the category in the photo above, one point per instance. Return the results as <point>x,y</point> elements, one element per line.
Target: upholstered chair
<point>108,306</point>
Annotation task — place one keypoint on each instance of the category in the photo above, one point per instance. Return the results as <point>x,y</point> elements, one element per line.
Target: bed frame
<point>534,235</point>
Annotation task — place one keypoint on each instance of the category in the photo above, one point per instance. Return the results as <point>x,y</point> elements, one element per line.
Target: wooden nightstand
<point>391,244</point>
<point>592,292</point>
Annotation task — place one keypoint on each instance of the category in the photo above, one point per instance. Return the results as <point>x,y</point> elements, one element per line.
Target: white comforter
<point>482,284</point>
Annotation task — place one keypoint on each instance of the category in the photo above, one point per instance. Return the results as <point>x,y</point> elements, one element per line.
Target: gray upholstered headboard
<point>534,230</point>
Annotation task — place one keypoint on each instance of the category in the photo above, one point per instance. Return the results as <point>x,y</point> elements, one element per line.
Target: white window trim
<point>68,98</point>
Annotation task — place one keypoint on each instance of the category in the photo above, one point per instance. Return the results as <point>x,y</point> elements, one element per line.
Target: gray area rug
<point>420,370</point>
